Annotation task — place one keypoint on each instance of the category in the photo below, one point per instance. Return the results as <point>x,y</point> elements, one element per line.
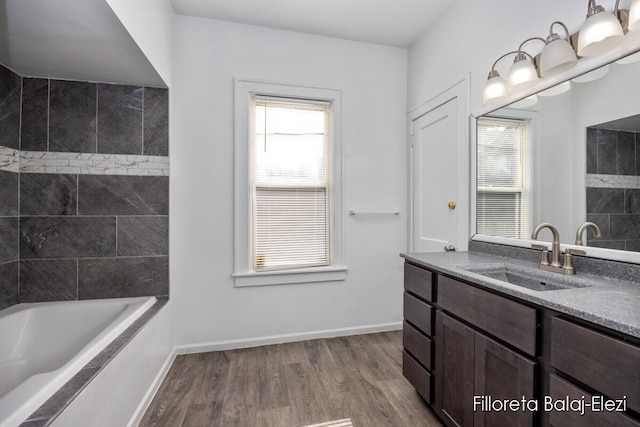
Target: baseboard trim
<point>285,338</point>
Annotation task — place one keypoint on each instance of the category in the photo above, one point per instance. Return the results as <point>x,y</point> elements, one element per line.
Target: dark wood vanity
<point>479,357</point>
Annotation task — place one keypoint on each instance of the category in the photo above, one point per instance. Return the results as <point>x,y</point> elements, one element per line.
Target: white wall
<point>208,55</point>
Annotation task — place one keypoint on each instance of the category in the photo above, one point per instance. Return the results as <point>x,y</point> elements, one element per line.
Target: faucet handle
<point>575,252</point>
<point>568,264</point>
<point>544,259</point>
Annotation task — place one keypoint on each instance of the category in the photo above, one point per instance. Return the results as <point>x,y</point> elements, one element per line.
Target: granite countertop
<point>605,301</point>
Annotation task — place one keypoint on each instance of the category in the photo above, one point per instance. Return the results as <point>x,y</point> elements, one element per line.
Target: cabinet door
<point>501,374</point>
<point>454,371</point>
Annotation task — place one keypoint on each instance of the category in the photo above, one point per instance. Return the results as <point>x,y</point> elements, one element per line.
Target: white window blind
<point>502,202</point>
<point>290,184</point>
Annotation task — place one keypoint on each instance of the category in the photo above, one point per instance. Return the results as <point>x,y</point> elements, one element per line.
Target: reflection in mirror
<point>613,183</point>
<point>566,155</point>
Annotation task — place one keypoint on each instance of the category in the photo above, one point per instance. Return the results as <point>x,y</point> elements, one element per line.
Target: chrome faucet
<point>583,227</point>
<point>556,252</point>
<point>555,245</point>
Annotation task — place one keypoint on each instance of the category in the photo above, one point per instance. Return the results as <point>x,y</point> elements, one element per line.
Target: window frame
<point>525,192</point>
<point>244,274</point>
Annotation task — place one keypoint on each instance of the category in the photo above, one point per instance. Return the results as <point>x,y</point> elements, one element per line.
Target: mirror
<point>565,155</point>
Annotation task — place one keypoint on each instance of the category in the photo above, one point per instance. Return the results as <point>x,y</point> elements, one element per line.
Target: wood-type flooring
<point>353,381</point>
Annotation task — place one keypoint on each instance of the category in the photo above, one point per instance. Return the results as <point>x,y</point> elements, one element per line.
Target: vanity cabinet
<point>606,365</point>
<point>466,347</point>
<point>417,357</point>
<point>472,369</point>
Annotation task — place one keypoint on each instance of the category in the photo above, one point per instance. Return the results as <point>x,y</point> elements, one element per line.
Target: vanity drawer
<point>417,344</point>
<point>419,281</point>
<point>417,376</point>
<point>608,365</point>
<point>503,318</point>
<point>418,313</point>
<point>560,390</point>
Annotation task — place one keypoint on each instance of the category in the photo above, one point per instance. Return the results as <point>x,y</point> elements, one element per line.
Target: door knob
<point>452,205</point>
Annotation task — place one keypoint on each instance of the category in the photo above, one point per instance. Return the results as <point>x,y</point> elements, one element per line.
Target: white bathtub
<point>43,345</point>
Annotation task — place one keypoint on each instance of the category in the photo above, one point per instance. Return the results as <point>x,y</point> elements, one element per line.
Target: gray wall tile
<point>123,277</point>
<point>637,154</point>
<point>633,200</point>
<point>119,119</point>
<point>48,280</point>
<point>9,239</point>
<point>35,115</point>
<point>633,245</point>
<point>626,153</point>
<point>123,195</point>
<point>72,116</point>
<point>605,200</point>
<point>8,284</point>
<point>602,221</point>
<point>10,92</point>
<point>625,226</point>
<point>156,122</point>
<point>8,193</point>
<point>592,150</point>
<point>48,194</point>
<point>143,235</point>
<point>67,237</point>
<point>607,152</point>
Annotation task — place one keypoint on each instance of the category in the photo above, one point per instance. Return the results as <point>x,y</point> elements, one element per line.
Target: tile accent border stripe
<point>82,163</point>
<point>9,159</point>
<point>612,181</point>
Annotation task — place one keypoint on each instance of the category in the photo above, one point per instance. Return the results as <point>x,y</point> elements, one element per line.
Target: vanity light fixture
<point>557,55</point>
<point>495,89</point>
<point>523,73</point>
<point>601,31</point>
<point>634,16</point>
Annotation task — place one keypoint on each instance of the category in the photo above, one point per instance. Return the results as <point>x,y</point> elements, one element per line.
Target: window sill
<point>289,277</point>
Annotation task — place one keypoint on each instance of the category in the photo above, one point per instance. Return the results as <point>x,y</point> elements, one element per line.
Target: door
<point>438,184</point>
<point>454,371</point>
<point>502,375</point>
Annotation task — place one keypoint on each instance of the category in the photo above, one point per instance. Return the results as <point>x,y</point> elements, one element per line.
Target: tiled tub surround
<point>613,188</point>
<point>90,236</point>
<point>83,190</point>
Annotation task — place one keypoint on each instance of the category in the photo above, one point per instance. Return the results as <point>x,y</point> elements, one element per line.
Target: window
<point>288,185</point>
<point>502,196</point>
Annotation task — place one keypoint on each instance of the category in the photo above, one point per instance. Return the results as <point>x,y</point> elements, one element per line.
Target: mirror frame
<point>629,45</point>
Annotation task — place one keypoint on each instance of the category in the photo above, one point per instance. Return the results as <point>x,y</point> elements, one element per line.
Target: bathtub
<point>43,345</point>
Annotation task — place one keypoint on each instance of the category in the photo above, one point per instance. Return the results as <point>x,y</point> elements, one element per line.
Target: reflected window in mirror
<point>503,194</point>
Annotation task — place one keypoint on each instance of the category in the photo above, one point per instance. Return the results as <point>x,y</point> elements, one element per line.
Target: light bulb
<point>601,31</point>
<point>522,74</point>
<point>556,57</point>
<point>495,89</point>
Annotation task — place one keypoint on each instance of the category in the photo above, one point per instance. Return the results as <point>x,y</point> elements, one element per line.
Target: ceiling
<point>386,22</point>
<point>71,39</point>
<point>85,40</point>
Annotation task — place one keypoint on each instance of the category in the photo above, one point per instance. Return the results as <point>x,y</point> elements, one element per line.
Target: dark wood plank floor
<point>338,382</point>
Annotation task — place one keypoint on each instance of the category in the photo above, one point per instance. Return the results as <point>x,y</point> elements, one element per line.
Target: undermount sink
<point>529,278</point>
